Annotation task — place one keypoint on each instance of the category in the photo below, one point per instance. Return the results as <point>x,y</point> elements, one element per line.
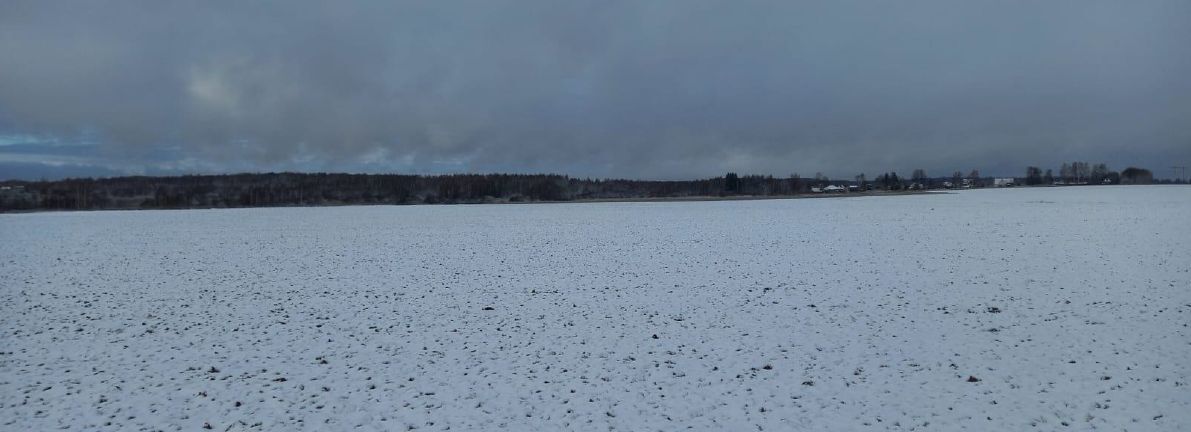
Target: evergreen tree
<point>732,183</point>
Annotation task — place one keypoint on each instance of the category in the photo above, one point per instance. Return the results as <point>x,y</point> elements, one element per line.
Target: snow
<point>1069,305</point>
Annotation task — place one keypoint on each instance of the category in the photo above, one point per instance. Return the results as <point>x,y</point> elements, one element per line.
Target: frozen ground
<point>1069,306</point>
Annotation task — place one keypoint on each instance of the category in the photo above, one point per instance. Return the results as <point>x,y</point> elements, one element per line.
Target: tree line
<point>308,189</point>
<point>1081,173</point>
<point>311,189</point>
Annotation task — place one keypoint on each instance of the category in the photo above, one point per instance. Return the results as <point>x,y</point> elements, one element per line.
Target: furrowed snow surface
<point>982,310</point>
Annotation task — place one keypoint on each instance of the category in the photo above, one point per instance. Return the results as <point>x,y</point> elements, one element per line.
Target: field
<point>1018,309</point>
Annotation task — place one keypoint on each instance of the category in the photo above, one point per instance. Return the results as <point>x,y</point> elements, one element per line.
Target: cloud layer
<point>636,89</point>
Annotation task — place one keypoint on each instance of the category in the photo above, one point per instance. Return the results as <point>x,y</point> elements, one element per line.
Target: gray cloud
<point>610,88</point>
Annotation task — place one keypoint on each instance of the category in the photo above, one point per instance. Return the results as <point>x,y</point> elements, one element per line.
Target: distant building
<point>1004,182</point>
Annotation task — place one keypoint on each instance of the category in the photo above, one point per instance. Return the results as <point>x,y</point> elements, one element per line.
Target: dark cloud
<point>638,89</point>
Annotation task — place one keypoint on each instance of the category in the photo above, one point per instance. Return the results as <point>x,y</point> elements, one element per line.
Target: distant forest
<point>314,189</point>
<point>300,189</point>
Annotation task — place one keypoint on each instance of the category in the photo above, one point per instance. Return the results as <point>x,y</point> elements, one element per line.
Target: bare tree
<point>795,183</point>
<point>1033,176</point>
<point>1099,173</point>
<point>974,176</point>
<point>919,177</point>
<point>1081,170</point>
<point>821,179</point>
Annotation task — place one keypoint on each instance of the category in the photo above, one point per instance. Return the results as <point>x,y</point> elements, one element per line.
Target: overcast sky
<point>643,89</point>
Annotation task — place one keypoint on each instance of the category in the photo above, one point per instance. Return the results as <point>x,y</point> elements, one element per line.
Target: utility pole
<point>1180,173</point>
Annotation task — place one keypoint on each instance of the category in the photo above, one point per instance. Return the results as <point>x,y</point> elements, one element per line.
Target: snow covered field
<point>1021,309</point>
